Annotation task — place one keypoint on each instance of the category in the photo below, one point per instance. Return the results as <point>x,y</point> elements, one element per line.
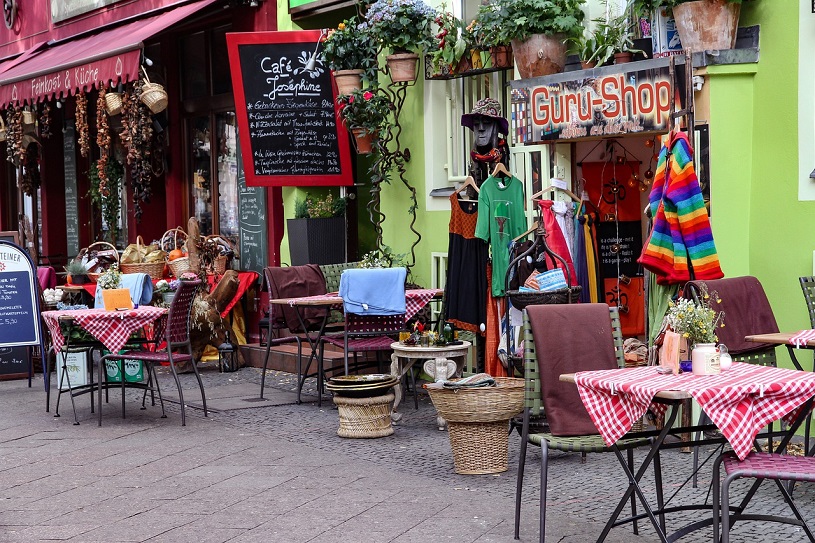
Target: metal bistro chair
<point>808,287</point>
<point>760,466</point>
<point>365,332</point>
<point>536,356</point>
<point>177,348</point>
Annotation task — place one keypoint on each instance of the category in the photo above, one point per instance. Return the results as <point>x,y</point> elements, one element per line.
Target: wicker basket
<point>221,262</point>
<point>179,266</point>
<point>521,299</point>
<point>113,103</point>
<point>97,245</point>
<point>477,421</point>
<point>173,239</point>
<point>29,117</point>
<point>153,95</point>
<point>2,129</point>
<point>365,417</point>
<point>154,269</point>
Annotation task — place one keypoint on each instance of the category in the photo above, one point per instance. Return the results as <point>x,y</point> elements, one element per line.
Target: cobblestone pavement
<point>280,473</point>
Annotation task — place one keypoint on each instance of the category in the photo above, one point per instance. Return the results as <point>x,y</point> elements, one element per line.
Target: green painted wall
<point>760,226</point>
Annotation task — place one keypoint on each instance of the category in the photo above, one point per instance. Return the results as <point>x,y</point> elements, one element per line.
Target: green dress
<point>500,219</point>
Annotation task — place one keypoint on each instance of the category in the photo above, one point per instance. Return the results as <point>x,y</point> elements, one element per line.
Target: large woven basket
<point>365,417</point>
<point>154,269</point>
<point>477,422</point>
<point>174,239</point>
<point>113,103</point>
<point>2,129</point>
<point>153,95</point>
<point>97,245</point>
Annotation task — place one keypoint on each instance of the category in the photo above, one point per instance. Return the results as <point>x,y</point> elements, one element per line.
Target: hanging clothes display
<point>556,240</point>
<point>500,219</point>
<point>619,238</point>
<point>586,255</point>
<point>681,240</point>
<point>465,296</point>
<point>496,313</point>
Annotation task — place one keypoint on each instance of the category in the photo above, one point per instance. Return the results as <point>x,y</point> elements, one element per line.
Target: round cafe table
<point>404,356</point>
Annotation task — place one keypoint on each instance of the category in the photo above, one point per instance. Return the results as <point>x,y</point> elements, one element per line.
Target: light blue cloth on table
<point>378,291</point>
<point>139,284</point>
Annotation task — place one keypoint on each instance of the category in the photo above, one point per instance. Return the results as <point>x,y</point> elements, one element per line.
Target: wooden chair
<point>533,406</point>
<point>177,349</point>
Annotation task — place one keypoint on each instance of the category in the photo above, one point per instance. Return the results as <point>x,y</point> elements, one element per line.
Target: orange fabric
<point>600,185</point>
<point>631,296</point>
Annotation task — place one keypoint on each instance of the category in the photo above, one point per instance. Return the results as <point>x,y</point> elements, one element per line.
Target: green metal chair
<point>533,407</point>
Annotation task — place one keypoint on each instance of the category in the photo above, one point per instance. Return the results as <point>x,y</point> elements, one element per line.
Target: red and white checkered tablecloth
<point>740,401</point>
<point>415,300</point>
<point>801,338</point>
<point>111,328</point>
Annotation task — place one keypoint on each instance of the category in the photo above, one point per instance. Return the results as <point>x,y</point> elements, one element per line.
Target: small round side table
<point>404,356</point>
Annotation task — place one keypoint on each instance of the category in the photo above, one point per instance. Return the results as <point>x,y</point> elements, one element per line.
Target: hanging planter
<point>402,67</point>
<point>707,24</point>
<point>348,80</point>
<point>363,140</point>
<point>540,54</point>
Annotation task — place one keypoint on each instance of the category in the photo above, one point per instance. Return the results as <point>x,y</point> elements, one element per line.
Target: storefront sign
<point>288,119</point>
<point>607,104</point>
<point>62,82</point>
<point>65,9</point>
<point>251,223</point>
<point>71,193</point>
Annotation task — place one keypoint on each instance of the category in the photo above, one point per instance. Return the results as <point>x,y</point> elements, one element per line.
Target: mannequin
<point>489,147</point>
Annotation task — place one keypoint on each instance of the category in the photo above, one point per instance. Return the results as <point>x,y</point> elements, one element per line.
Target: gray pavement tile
<point>26,517</point>
<point>197,532</point>
<point>139,527</point>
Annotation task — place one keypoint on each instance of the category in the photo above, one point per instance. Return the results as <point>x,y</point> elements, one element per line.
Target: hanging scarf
<point>494,155</point>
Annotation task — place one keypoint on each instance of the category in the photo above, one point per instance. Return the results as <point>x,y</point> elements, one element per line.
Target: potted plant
<point>404,27</point>
<point>351,55</point>
<point>487,35</point>
<point>702,24</point>
<point>317,231</point>
<point>450,46</point>
<point>539,31</point>
<point>77,273</point>
<point>615,37</point>
<point>364,112</point>
<point>592,51</point>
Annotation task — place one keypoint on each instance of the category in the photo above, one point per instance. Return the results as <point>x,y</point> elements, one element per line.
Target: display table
<point>404,356</point>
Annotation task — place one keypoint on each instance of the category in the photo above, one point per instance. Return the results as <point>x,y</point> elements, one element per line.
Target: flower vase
<point>705,359</point>
<point>168,297</point>
<point>402,67</point>
<point>348,81</point>
<point>364,141</point>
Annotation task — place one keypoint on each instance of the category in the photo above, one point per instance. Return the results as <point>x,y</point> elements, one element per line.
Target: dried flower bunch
<point>103,141</point>
<point>82,130</point>
<point>137,137</point>
<point>696,322</point>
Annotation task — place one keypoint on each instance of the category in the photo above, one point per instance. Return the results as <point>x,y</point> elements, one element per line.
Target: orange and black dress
<point>466,291</point>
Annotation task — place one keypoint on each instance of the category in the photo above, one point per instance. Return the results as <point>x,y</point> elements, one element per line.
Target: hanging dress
<point>465,303</point>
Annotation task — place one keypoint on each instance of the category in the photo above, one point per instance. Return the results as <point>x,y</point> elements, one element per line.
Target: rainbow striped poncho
<point>681,238</point>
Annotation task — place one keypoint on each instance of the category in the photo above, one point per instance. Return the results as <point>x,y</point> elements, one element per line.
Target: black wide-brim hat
<point>486,107</point>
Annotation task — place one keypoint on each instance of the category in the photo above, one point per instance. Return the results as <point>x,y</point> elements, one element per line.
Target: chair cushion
<point>570,338</point>
<point>158,356</point>
<point>772,466</point>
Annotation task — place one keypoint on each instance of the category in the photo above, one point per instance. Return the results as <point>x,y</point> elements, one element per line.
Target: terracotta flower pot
<point>623,58</point>
<point>463,65</point>
<point>707,24</point>
<point>402,66</point>
<point>364,142</point>
<point>588,65</point>
<point>348,81</point>
<point>540,54</point>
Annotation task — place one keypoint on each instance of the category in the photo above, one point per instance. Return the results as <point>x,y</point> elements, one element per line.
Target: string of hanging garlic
<point>103,141</point>
<point>82,124</point>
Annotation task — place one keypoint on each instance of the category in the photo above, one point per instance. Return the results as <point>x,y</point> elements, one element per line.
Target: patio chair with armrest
<point>747,312</point>
<point>808,288</point>
<point>177,348</point>
<point>566,338</point>
<point>374,312</point>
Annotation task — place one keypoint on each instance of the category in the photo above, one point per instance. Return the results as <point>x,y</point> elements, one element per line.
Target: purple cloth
<point>47,277</point>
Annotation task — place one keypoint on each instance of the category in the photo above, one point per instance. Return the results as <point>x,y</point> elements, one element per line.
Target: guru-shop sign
<point>604,103</point>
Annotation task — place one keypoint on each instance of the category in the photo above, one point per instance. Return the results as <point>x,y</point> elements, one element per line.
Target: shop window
<point>194,56</point>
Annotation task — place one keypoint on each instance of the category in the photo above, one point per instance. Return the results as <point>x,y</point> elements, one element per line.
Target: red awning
<point>111,55</point>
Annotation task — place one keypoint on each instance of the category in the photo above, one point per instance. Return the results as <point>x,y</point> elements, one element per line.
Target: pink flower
<point>368,95</point>
<point>351,99</point>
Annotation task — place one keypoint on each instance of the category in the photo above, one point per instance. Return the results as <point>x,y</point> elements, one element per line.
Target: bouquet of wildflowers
<point>696,322</point>
<point>111,278</point>
<point>167,286</point>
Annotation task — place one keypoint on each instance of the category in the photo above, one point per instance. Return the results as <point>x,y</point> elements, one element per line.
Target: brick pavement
<point>278,472</point>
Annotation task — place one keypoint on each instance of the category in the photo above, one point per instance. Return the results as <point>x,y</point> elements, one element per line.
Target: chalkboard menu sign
<point>251,223</point>
<point>19,308</point>
<point>71,196</point>
<point>14,362</point>
<point>620,246</point>
<point>288,118</point>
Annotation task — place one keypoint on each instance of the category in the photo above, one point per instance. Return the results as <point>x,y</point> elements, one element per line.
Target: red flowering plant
<point>450,44</point>
<point>365,109</point>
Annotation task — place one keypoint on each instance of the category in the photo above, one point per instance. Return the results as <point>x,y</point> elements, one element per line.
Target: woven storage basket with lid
<point>154,269</point>
<point>478,422</point>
